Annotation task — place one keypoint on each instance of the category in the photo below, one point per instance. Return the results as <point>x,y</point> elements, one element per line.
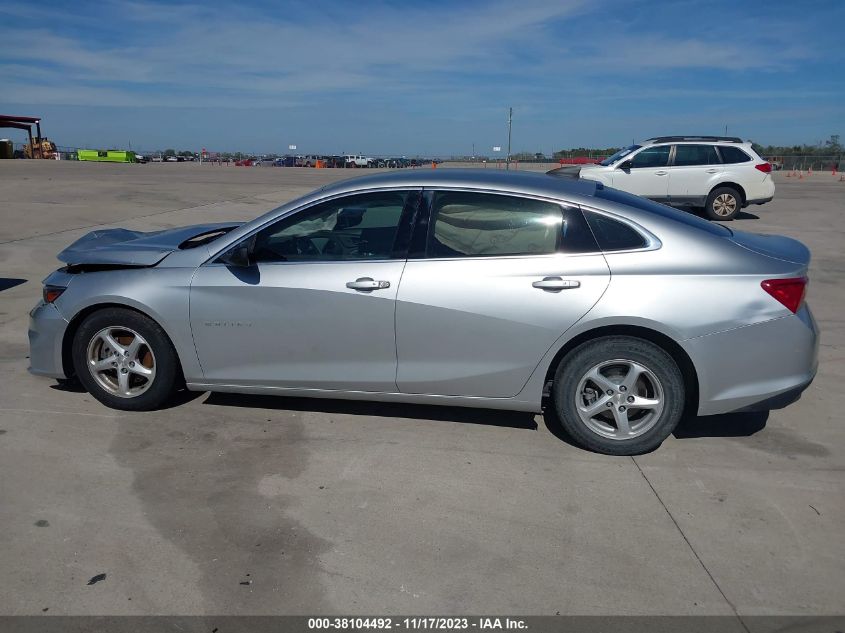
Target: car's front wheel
<point>723,203</point>
<point>618,395</point>
<point>125,360</point>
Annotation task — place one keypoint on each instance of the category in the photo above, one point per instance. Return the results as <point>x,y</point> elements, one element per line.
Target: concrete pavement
<point>254,505</point>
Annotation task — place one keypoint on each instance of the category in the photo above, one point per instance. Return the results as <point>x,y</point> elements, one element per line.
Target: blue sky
<point>421,77</point>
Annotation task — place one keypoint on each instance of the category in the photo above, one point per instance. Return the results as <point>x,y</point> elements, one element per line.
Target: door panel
<point>315,308</point>
<point>297,325</point>
<point>478,327</point>
<point>694,171</point>
<point>648,175</point>
<point>503,276</point>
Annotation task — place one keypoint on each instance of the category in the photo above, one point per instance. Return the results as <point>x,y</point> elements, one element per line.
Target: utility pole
<point>510,120</point>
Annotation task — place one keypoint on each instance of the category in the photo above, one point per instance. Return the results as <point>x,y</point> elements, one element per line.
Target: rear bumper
<point>46,332</point>
<point>759,200</point>
<point>761,366</point>
<point>780,401</point>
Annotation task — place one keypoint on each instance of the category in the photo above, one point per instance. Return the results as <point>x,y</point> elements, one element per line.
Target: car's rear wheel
<point>618,395</point>
<point>125,360</point>
<point>723,203</point>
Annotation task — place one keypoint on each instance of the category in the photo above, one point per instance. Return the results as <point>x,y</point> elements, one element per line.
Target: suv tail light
<point>790,292</point>
<point>766,168</point>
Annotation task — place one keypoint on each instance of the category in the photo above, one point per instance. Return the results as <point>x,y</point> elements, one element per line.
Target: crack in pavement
<point>691,548</point>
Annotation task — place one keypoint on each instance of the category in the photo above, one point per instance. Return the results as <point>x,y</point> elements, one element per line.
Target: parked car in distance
<point>478,288</point>
<point>308,161</point>
<point>335,161</point>
<point>356,160</point>
<point>718,174</point>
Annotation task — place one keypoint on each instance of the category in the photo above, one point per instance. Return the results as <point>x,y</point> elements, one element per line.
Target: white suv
<point>355,160</point>
<point>719,174</point>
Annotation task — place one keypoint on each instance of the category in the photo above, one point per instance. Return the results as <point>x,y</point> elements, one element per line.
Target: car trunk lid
<point>774,246</point>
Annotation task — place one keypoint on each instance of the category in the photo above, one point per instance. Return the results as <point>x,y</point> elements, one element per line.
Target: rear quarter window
<point>643,204</point>
<point>613,235</point>
<point>733,155</point>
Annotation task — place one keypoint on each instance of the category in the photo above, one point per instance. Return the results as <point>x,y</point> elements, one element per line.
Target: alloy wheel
<point>724,204</point>
<point>121,361</point>
<point>619,399</point>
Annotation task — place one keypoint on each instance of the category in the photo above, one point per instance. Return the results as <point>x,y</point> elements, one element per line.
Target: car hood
<point>567,171</point>
<point>136,248</point>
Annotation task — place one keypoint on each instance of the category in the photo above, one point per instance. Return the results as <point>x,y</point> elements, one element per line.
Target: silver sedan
<point>471,288</point>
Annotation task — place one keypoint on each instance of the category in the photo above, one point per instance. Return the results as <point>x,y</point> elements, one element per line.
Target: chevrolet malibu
<point>486,289</point>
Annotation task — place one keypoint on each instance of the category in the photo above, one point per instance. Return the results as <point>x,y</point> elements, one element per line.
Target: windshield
<point>620,154</point>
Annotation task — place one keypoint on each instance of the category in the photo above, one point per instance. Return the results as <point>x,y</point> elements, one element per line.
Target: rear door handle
<point>367,284</point>
<point>556,284</point>
<point>660,173</point>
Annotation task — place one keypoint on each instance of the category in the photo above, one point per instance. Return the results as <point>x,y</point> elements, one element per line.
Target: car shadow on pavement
<point>9,282</point>
<point>726,425</point>
<point>489,417</point>
<point>745,215</point>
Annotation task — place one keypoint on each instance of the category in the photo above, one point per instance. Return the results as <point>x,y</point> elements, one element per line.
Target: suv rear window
<point>620,197</point>
<point>731,155</point>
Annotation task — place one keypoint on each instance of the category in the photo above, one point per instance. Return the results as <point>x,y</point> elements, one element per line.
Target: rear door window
<point>467,224</point>
<point>692,155</point>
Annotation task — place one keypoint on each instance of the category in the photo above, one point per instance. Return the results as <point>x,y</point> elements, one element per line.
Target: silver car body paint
<point>461,331</point>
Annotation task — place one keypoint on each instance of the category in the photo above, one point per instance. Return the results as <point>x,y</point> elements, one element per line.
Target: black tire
<point>592,353</point>
<point>719,203</point>
<point>168,374</point>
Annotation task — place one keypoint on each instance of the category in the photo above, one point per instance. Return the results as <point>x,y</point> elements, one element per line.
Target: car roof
<point>481,179</point>
<point>694,139</point>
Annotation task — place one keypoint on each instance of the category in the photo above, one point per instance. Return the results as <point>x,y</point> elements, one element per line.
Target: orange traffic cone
<point>433,165</point>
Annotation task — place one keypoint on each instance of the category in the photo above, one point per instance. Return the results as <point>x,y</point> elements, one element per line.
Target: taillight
<point>51,293</point>
<point>790,292</point>
<point>766,168</point>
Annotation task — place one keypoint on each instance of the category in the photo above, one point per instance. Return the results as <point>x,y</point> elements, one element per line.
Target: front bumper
<point>46,332</point>
<point>761,366</point>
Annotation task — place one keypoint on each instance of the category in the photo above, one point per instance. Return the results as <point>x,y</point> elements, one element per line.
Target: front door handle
<point>367,284</point>
<point>712,171</point>
<point>556,284</point>
<point>660,173</point>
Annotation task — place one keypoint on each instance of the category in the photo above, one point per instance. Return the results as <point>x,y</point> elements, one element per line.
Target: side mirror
<point>239,255</point>
<point>625,165</point>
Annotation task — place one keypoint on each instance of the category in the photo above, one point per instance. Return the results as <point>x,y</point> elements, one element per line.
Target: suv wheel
<point>618,395</point>
<point>723,203</point>
<point>125,360</point>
